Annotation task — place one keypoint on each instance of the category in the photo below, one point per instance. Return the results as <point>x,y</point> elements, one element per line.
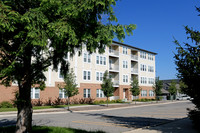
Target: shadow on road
<point>6,122</point>
<point>130,122</point>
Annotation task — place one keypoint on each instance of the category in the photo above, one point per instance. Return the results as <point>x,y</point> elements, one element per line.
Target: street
<point>113,120</point>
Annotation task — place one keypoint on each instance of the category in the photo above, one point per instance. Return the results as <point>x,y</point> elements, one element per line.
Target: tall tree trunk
<point>24,106</point>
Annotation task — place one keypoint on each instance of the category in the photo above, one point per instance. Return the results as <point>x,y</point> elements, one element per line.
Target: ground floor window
<point>100,93</point>
<point>35,93</point>
<point>151,93</point>
<point>143,93</point>
<point>86,93</point>
<point>62,93</point>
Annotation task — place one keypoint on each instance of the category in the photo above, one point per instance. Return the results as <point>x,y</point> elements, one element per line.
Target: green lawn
<point>45,129</point>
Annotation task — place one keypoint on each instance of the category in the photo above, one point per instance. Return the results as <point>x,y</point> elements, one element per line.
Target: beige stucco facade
<point>122,61</point>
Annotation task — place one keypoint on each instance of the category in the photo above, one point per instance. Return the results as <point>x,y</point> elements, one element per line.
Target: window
<point>150,56</point>
<point>100,60</point>
<point>150,69</point>
<point>143,93</point>
<point>125,64</point>
<point>86,75</point>
<point>151,93</point>
<point>151,80</point>
<point>35,93</point>
<point>125,50</point>
<point>97,59</point>
<point>99,76</point>
<point>142,54</point>
<point>125,78</point>
<point>143,67</point>
<point>86,93</point>
<point>59,74</point>
<point>62,93</point>
<point>87,57</point>
<point>100,93</point>
<point>143,80</point>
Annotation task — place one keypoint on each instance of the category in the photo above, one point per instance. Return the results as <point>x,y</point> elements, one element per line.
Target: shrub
<point>6,104</point>
<point>59,101</point>
<point>119,101</point>
<point>194,115</point>
<point>37,102</point>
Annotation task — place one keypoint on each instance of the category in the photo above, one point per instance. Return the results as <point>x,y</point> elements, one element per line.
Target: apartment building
<point>123,62</point>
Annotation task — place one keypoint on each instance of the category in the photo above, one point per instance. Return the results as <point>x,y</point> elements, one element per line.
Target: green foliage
<point>172,88</point>
<point>158,86</point>
<point>70,88</point>
<point>107,85</point>
<point>37,34</point>
<point>45,129</point>
<point>135,89</point>
<point>144,100</point>
<point>6,104</point>
<point>187,60</point>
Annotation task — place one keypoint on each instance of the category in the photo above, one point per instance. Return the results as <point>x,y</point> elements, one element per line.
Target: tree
<point>172,88</point>
<point>70,87</point>
<point>135,89</point>
<point>107,85</point>
<point>37,34</point>
<point>157,87</point>
<point>188,67</point>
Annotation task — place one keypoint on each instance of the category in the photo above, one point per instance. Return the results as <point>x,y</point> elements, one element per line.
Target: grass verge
<point>45,129</point>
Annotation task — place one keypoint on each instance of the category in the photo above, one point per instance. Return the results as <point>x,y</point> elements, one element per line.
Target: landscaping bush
<point>37,102</point>
<point>118,101</point>
<point>6,104</point>
<point>194,115</point>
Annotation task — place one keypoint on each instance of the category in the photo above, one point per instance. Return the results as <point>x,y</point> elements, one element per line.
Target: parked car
<point>183,98</point>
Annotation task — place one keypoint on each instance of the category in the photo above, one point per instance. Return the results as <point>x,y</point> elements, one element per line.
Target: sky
<point>158,23</point>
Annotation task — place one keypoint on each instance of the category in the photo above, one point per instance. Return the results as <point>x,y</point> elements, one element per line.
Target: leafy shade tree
<point>107,86</point>
<point>172,88</point>
<point>70,87</point>
<point>135,89</point>
<point>158,87</point>
<point>187,60</point>
<point>36,35</point>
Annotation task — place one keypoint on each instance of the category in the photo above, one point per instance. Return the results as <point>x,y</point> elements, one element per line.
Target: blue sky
<point>158,21</point>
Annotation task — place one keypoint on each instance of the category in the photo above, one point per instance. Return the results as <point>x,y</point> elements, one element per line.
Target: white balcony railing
<point>113,52</point>
<point>134,70</point>
<point>115,82</point>
<point>134,57</point>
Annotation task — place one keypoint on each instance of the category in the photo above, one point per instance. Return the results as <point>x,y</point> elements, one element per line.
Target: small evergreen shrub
<point>6,104</point>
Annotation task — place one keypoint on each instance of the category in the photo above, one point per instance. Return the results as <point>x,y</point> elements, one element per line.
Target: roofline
<point>134,47</point>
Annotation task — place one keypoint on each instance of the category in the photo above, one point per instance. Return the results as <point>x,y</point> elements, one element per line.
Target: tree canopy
<point>135,89</point>
<point>187,60</point>
<point>158,86</point>
<point>37,34</point>
<point>172,88</point>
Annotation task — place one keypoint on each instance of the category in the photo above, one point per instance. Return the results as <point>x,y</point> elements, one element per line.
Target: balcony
<point>134,71</point>
<point>113,53</point>
<point>134,57</point>
<point>114,68</point>
<point>115,83</point>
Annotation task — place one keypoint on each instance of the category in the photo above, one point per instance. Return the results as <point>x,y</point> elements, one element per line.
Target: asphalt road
<point>113,120</point>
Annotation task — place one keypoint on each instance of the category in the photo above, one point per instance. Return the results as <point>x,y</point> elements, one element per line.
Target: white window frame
<point>150,56</point>
<point>88,77</point>
<point>143,54</point>
<point>86,57</point>
<point>99,76</point>
<point>62,93</point>
<point>150,68</point>
<point>143,80</point>
<point>143,93</point>
<point>125,64</point>
<point>99,93</point>
<point>100,60</point>
<point>125,78</point>
<point>143,67</point>
<point>151,80</point>
<point>151,93</point>
<point>125,50</point>
<point>34,91</point>
<point>86,93</point>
